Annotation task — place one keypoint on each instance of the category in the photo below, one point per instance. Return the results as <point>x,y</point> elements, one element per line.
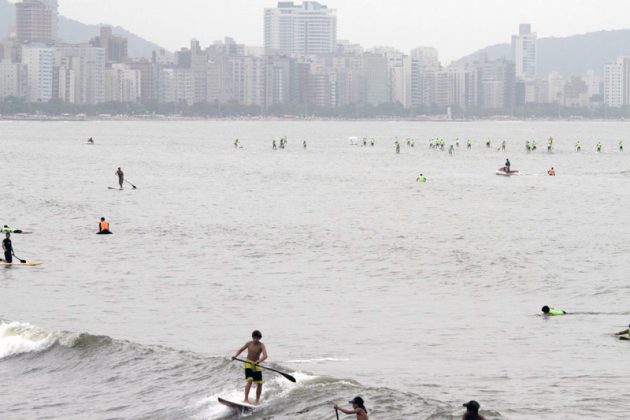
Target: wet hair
<point>102,218</point>
<point>257,334</point>
<point>545,309</point>
<point>363,407</point>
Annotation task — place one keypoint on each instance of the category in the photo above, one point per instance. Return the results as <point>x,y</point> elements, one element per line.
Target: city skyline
<point>430,24</point>
<point>303,68</point>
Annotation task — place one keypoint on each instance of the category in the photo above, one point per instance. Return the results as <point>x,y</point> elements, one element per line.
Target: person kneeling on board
<point>103,227</point>
<point>256,354</point>
<point>551,172</point>
<point>625,334</point>
<point>7,229</point>
<point>547,311</point>
<point>357,408</point>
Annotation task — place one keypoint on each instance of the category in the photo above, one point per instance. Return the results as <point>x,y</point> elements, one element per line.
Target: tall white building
<point>400,80</point>
<point>306,29</point>
<point>424,68</point>
<point>122,84</point>
<point>39,61</point>
<point>248,80</point>
<point>84,69</point>
<point>12,79</point>
<point>525,53</point>
<point>555,88</point>
<point>176,85</point>
<point>613,84</point>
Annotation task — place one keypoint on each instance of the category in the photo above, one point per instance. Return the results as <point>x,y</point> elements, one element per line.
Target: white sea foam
<point>320,360</point>
<point>19,337</point>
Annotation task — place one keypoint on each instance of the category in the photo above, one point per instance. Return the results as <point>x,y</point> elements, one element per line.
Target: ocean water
<point>363,282</point>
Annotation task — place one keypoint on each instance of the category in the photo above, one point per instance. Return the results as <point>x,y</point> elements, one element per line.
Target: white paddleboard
<point>18,264</point>
<point>241,406</point>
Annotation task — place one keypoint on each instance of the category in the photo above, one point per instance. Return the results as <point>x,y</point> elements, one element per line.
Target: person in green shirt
<point>547,311</point>
<point>421,179</point>
<point>7,229</point>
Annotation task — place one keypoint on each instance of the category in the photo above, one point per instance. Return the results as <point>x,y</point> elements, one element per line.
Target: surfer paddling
<point>256,354</point>
<point>625,334</point>
<point>547,311</point>
<point>357,408</point>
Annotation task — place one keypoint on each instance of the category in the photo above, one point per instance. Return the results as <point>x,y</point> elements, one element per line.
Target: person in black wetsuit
<point>121,177</point>
<point>507,165</point>
<point>7,247</point>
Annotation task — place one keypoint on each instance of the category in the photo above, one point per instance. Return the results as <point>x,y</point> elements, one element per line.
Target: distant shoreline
<point>161,118</point>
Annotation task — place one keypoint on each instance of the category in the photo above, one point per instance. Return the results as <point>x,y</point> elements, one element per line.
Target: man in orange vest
<point>103,227</point>
<point>551,172</point>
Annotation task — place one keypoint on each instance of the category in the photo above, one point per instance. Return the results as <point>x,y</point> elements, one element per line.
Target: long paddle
<point>134,187</point>
<point>286,375</point>
<point>337,413</point>
<point>21,260</point>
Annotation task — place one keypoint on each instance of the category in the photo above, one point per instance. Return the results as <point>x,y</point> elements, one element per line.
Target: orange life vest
<point>551,172</point>
<point>104,225</point>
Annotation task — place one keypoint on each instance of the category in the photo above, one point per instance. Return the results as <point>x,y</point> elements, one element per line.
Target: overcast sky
<point>454,27</point>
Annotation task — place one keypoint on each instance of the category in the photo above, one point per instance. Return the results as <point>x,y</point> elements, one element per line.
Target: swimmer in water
<point>358,408</point>
<point>547,311</point>
<point>625,334</point>
<point>472,411</point>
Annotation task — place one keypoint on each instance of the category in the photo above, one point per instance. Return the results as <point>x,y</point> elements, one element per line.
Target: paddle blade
<point>289,377</point>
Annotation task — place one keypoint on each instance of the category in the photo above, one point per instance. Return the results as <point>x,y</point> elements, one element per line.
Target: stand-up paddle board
<point>503,172</point>
<point>114,188</point>
<point>28,264</point>
<point>240,406</point>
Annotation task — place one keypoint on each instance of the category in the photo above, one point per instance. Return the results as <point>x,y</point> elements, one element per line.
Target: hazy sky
<point>455,27</point>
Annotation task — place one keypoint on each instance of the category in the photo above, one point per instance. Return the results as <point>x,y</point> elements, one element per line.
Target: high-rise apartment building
<point>12,79</point>
<point>116,47</point>
<point>306,29</point>
<point>613,84</point>
<point>39,61</point>
<point>36,21</point>
<point>88,71</point>
<point>376,74</point>
<point>147,79</point>
<point>524,52</point>
<point>424,69</point>
<point>122,84</point>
